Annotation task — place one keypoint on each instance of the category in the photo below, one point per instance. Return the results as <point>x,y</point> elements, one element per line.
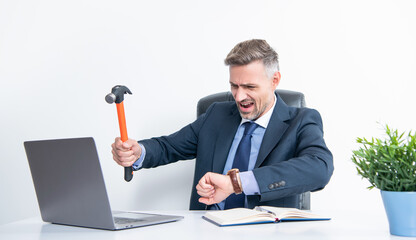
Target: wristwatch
<point>233,173</point>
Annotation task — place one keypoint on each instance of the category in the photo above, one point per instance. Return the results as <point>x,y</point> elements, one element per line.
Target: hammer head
<point>117,94</point>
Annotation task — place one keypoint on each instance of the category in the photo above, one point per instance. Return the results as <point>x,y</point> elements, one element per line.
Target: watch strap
<point>233,173</point>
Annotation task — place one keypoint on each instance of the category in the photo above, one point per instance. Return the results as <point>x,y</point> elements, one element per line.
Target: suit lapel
<point>275,130</point>
<point>225,139</point>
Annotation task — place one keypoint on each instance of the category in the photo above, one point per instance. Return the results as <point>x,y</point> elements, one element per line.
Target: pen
<point>260,209</point>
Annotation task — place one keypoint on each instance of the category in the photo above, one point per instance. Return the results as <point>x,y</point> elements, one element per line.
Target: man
<point>279,151</point>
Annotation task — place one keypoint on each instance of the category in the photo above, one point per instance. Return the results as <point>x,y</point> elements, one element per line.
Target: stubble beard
<point>255,114</point>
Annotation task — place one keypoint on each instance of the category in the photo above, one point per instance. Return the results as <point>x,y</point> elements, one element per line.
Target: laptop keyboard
<point>121,220</point>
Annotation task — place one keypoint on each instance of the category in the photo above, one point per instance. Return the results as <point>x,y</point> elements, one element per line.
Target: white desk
<point>342,226</point>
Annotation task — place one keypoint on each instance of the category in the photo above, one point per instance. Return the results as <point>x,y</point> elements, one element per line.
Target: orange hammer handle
<point>122,121</point>
<point>128,171</point>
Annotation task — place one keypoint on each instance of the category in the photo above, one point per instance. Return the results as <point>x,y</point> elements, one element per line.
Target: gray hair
<point>253,50</point>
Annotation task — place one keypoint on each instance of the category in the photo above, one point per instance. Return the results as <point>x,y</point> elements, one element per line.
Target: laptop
<point>70,187</point>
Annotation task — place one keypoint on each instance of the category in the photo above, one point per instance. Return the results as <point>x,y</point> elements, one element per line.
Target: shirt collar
<point>265,119</point>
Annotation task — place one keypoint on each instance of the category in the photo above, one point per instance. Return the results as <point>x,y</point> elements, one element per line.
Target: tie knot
<point>249,128</point>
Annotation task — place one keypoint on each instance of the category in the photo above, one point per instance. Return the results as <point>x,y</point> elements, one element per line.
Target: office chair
<point>291,98</point>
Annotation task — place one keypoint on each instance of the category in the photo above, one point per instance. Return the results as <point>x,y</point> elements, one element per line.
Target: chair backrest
<point>291,98</point>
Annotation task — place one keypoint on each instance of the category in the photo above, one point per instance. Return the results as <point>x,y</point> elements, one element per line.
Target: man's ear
<point>276,79</point>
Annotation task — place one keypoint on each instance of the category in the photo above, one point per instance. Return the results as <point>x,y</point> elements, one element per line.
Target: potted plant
<point>389,164</point>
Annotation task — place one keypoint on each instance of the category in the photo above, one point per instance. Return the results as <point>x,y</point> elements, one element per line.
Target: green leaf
<point>388,163</point>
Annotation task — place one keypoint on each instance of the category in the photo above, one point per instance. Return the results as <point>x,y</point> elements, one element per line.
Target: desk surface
<point>342,226</point>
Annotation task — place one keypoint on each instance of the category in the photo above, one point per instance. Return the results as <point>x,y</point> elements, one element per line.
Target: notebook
<point>70,187</point>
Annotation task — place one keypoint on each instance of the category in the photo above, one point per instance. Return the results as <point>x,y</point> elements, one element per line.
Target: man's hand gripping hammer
<point>117,96</point>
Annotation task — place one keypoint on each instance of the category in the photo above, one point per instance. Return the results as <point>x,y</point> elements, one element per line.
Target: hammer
<point>117,96</point>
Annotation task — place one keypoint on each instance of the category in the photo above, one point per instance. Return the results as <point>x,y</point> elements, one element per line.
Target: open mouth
<point>246,106</point>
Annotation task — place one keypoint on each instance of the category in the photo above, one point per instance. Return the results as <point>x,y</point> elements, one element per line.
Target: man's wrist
<point>139,162</point>
<point>235,180</point>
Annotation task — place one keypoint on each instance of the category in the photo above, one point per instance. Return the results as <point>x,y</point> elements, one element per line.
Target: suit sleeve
<point>181,145</point>
<point>300,163</point>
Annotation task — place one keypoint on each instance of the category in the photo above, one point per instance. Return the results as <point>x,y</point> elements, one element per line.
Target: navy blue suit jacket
<point>293,157</point>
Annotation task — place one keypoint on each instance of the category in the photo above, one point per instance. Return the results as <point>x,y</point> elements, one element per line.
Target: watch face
<point>233,170</point>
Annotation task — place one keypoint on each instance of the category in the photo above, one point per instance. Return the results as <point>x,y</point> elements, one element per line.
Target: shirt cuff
<point>139,162</point>
<point>249,183</point>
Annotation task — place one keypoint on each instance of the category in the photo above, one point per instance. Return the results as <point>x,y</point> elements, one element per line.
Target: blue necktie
<point>241,159</point>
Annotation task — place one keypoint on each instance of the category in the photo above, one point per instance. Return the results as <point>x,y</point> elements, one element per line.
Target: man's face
<point>252,90</point>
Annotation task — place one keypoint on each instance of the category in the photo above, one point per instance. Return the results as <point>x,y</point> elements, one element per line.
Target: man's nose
<point>240,94</point>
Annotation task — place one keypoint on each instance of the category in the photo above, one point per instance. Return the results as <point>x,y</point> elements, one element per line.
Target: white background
<point>354,60</point>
